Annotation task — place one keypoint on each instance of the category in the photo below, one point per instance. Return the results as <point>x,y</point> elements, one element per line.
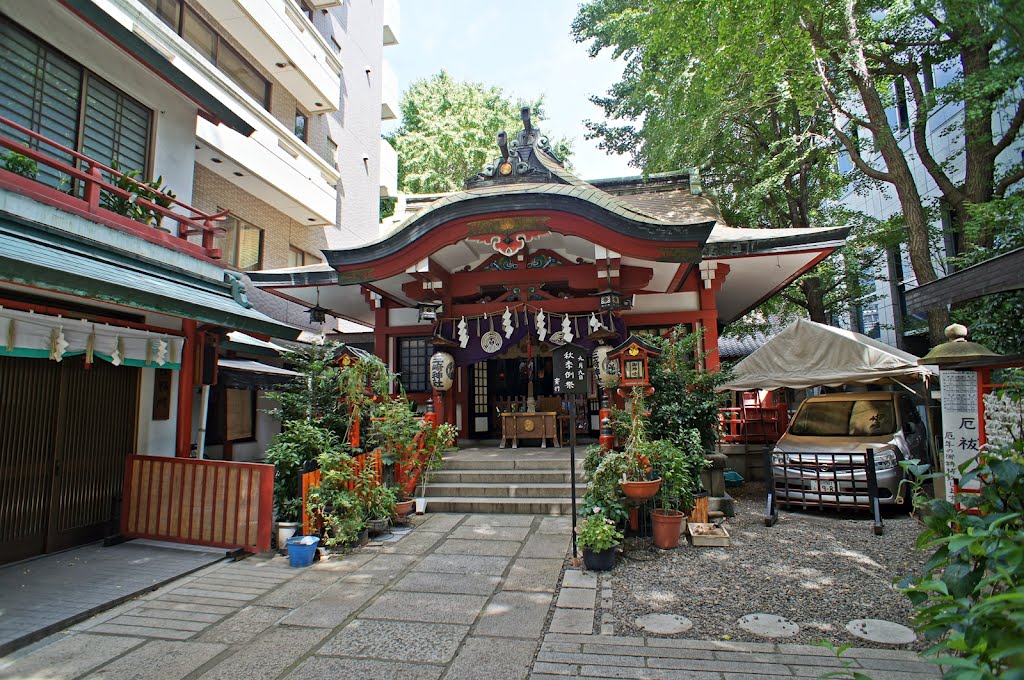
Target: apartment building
<point>258,117</point>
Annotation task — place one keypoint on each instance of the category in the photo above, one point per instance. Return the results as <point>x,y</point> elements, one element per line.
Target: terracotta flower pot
<point>641,491</point>
<point>601,560</point>
<point>667,525</point>
<point>403,508</point>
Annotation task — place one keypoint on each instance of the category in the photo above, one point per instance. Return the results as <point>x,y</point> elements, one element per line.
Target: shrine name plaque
<point>516,426</point>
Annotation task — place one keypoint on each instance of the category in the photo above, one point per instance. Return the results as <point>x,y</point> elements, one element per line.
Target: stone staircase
<point>506,481</point>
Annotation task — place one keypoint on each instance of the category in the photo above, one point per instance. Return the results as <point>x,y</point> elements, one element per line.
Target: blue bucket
<point>300,555</point>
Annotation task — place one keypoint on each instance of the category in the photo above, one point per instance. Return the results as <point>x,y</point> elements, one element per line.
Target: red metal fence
<point>201,502</point>
<point>190,221</point>
<point>752,421</point>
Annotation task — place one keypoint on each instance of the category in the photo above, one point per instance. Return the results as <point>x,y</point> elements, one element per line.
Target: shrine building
<point>527,257</point>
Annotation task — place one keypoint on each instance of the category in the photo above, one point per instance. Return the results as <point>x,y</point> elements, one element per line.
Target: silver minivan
<point>831,432</point>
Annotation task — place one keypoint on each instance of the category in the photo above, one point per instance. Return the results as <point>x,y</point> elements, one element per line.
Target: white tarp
<point>806,354</point>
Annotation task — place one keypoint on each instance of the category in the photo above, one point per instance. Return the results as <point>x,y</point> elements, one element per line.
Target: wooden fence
<point>201,502</point>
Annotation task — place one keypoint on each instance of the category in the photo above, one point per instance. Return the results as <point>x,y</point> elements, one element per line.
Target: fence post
<point>869,461</point>
<point>771,511</point>
<point>92,188</point>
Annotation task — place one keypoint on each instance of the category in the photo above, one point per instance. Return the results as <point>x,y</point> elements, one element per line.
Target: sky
<point>523,47</point>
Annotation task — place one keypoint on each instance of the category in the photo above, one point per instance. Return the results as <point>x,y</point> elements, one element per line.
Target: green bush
<point>684,396</point>
<point>153,191</point>
<point>970,599</point>
<point>19,165</point>
<point>298,443</point>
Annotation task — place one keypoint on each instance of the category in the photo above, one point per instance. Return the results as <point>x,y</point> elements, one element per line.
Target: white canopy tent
<point>807,354</point>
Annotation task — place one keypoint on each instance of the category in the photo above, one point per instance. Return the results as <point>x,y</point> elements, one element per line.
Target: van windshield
<point>854,417</point>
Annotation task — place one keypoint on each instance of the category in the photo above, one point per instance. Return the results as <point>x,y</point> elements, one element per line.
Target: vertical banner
<point>959,423</point>
<point>570,377</point>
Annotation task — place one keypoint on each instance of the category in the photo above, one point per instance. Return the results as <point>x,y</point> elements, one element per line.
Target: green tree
<point>846,66</point>
<point>448,132</point>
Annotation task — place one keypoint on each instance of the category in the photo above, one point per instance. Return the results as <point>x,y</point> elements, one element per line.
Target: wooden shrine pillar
<point>186,381</point>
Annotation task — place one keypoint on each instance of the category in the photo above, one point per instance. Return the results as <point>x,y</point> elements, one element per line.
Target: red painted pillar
<point>186,381</point>
<point>709,321</point>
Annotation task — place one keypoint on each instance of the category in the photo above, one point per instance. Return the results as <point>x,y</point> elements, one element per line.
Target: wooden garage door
<point>64,433</point>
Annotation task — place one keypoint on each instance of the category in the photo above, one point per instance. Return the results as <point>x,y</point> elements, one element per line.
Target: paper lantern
<point>607,369</point>
<point>442,371</point>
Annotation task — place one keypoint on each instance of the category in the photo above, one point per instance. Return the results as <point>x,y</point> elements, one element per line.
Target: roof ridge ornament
<point>519,160</point>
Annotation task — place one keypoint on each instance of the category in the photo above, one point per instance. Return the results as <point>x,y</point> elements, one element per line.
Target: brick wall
<point>212,192</point>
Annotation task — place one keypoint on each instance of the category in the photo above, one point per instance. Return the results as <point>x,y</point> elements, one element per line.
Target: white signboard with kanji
<point>959,423</point>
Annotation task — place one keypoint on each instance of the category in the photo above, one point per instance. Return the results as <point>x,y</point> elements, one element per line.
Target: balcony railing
<point>189,221</point>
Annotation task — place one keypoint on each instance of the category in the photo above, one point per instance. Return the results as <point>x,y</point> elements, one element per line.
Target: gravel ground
<point>819,570</point>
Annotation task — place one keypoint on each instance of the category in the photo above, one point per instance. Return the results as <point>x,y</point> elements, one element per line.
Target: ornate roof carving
<point>527,158</point>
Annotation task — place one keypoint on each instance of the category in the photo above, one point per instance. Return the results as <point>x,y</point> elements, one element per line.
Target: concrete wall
<point>355,126</point>
<point>174,116</point>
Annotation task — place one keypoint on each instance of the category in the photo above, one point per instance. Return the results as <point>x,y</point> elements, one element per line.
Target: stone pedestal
<point>713,479</point>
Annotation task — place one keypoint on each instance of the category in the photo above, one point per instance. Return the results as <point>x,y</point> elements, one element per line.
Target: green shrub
<point>970,599</point>
<point>153,191</point>
<point>19,165</point>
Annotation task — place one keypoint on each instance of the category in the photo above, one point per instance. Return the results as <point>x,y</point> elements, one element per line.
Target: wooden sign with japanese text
<point>570,369</point>
<point>959,423</point>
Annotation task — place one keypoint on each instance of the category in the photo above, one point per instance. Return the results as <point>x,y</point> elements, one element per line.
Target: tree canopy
<point>448,131</point>
<point>886,82</point>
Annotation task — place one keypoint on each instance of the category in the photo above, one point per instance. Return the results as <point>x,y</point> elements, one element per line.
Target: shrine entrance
<point>507,383</point>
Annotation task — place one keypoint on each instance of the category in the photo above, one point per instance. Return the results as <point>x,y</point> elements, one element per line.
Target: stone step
<point>505,506</point>
<point>558,463</point>
<point>504,476</point>
<point>503,490</point>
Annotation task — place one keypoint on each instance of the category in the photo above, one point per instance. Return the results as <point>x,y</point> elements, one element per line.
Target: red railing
<point>200,502</point>
<point>752,422</point>
<point>192,223</point>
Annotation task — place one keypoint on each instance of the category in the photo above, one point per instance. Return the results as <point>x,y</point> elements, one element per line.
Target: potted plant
<point>378,502</point>
<point>640,481</point>
<point>429,457</point>
<point>299,442</point>
<point>598,538</point>
<point>679,468</point>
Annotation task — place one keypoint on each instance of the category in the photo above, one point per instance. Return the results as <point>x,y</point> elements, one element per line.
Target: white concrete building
<point>111,297</point>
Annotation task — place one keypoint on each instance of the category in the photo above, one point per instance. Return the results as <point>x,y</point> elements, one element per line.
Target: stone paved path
<point>42,595</point>
<point>461,596</point>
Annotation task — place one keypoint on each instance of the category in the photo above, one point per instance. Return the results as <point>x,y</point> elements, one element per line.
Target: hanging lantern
<point>607,370</point>
<point>442,371</point>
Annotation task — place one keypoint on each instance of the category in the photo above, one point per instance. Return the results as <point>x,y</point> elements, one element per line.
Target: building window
<point>902,112</point>
<point>331,153</point>
<point>300,258</point>
<point>242,244</point>
<point>200,35</point>
<point>301,126</point>
<point>47,92</point>
<point>413,355</point>
<point>307,10</point>
<point>335,44</point>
